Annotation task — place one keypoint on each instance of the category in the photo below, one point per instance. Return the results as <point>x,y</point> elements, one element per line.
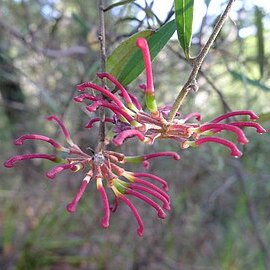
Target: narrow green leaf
<point>184,19</point>
<point>126,62</point>
<point>81,22</point>
<point>260,40</point>
<point>243,78</point>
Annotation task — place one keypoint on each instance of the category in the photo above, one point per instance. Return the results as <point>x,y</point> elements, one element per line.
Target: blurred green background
<point>220,205</point>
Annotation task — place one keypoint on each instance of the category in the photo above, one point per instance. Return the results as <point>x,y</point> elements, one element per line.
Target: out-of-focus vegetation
<point>220,216</point>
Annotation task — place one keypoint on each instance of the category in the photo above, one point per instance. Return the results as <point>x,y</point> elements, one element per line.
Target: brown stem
<point>197,62</point>
<point>102,42</point>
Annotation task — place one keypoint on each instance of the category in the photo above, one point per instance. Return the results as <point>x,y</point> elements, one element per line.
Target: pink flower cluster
<point>130,120</point>
<point>104,167</point>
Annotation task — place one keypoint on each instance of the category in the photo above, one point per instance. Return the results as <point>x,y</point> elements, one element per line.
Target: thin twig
<point>197,62</point>
<point>102,42</point>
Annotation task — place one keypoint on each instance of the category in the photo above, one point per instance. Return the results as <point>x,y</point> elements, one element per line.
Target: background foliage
<point>220,216</point>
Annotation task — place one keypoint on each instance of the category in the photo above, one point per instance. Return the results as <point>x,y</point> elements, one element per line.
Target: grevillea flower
<point>130,120</point>
<point>103,168</point>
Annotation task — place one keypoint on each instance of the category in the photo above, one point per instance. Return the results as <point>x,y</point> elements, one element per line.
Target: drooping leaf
<point>126,61</point>
<point>184,20</point>
<point>243,78</point>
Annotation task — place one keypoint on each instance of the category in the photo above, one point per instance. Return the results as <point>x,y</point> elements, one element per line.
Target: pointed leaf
<point>126,62</point>
<point>184,19</point>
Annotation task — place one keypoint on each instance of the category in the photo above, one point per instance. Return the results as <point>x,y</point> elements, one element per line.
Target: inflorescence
<point>105,167</point>
<point>131,120</point>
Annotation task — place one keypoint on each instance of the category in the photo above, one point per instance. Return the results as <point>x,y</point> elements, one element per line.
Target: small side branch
<point>197,62</point>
